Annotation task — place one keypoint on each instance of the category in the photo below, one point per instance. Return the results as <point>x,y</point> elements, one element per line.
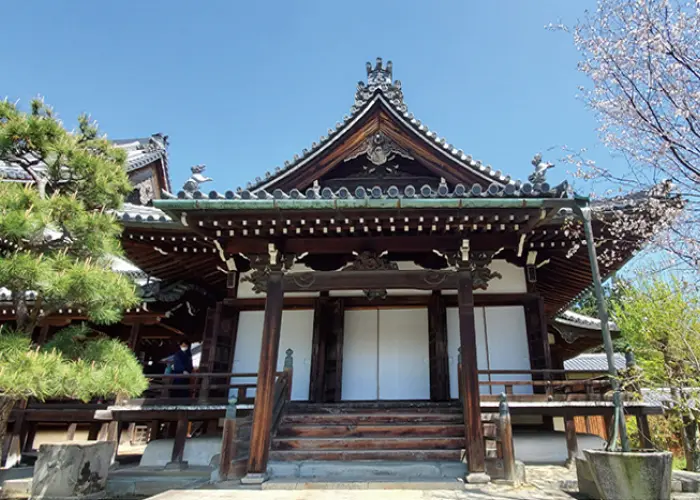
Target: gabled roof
<point>140,153</point>
<point>381,91</point>
<point>596,362</point>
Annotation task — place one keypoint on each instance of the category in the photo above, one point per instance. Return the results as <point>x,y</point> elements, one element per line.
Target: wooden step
<point>384,443</point>
<point>371,430</point>
<point>375,406</point>
<point>372,418</point>
<point>347,455</point>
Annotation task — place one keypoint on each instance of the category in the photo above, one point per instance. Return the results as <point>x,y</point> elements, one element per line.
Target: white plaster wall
<point>296,334</point>
<point>501,344</point>
<point>453,348</point>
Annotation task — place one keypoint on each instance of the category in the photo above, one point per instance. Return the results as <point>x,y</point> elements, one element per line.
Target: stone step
<point>371,430</point>
<point>408,455</point>
<point>384,443</point>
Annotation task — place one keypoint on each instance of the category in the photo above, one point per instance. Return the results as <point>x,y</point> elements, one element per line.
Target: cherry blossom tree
<point>642,58</point>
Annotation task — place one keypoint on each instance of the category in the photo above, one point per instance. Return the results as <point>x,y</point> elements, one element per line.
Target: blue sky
<point>243,86</point>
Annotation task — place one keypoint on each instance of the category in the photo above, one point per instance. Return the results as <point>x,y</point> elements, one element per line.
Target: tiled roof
<point>597,362</point>
<point>495,189</point>
<point>140,152</point>
<point>142,213</point>
<point>571,318</point>
<point>380,86</point>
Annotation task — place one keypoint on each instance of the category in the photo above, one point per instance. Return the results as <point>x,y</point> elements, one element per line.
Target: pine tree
<point>58,235</point>
<point>58,239</point>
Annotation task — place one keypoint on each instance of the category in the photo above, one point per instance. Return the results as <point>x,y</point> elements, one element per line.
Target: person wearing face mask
<point>182,364</point>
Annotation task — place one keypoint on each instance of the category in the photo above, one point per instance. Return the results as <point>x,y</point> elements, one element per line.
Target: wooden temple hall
<point>371,299</point>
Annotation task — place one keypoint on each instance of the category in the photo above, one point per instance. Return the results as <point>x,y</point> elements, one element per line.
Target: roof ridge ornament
<point>192,184</point>
<point>541,167</point>
<point>379,78</point>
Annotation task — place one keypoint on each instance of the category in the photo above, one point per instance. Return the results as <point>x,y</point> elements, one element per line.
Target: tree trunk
<point>6,405</point>
<point>690,444</point>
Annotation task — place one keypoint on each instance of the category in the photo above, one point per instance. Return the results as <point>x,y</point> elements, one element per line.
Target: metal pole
<point>585,213</point>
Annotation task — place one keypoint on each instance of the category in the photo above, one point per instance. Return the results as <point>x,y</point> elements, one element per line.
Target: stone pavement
<point>487,493</point>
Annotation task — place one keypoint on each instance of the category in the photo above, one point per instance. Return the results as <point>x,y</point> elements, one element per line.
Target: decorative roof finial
<point>192,184</point>
<point>541,167</point>
<point>379,79</point>
<point>379,74</point>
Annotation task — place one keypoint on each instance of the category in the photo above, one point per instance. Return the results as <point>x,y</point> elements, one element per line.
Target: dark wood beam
<point>364,280</point>
<point>345,245</point>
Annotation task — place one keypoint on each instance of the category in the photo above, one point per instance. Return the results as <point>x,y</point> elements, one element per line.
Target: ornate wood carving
<point>370,261</point>
<point>477,263</point>
<point>264,264</point>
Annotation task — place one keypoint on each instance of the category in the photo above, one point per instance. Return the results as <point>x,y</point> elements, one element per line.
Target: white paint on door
<point>404,368</point>
<point>385,354</point>
<point>453,348</point>
<point>360,351</point>
<point>296,334</point>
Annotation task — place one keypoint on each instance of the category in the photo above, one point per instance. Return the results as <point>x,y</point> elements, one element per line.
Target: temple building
<point>400,274</point>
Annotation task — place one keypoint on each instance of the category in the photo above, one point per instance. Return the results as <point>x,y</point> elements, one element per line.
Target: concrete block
<point>16,488</point>
<point>198,451</point>
<point>72,469</point>
<point>453,470</point>
<point>477,478</point>
<point>586,483</point>
<point>638,475</point>
<point>369,470</point>
<point>283,469</point>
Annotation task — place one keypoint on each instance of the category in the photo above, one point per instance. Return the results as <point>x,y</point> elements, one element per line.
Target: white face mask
<point>183,348</point>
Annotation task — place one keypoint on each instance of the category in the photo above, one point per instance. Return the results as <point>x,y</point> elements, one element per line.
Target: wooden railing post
<point>204,390</point>
<point>571,440</point>
<point>289,370</point>
<point>460,383</point>
<point>505,431</point>
<point>228,441</point>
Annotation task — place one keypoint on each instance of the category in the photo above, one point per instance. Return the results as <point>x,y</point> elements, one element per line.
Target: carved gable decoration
<point>379,150</point>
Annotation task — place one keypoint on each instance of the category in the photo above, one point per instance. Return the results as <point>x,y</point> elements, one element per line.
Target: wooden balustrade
<point>564,389</point>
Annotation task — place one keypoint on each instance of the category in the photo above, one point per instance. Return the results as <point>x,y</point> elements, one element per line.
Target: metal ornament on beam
<point>264,264</point>
<point>476,263</point>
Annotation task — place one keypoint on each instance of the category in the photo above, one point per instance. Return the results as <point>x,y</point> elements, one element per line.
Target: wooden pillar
<point>153,430</point>
<point>134,336</point>
<point>317,382</point>
<point>262,413</point>
<point>12,448</point>
<point>644,432</point>
<point>94,431</point>
<point>43,335</point>
<point>474,444</point>
<point>176,459</point>
<point>437,347</point>
<point>571,439</point>
<point>228,448</point>
<point>31,434</point>
<point>70,433</point>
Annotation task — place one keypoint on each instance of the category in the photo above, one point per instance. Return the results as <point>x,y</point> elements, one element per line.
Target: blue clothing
<point>182,361</point>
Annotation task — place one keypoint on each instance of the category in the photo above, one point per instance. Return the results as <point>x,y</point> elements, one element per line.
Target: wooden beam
<point>474,444</point>
<point>480,300</point>
<point>176,459</point>
<point>262,413</point>
<point>345,245</point>
<point>437,347</point>
<point>363,280</point>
